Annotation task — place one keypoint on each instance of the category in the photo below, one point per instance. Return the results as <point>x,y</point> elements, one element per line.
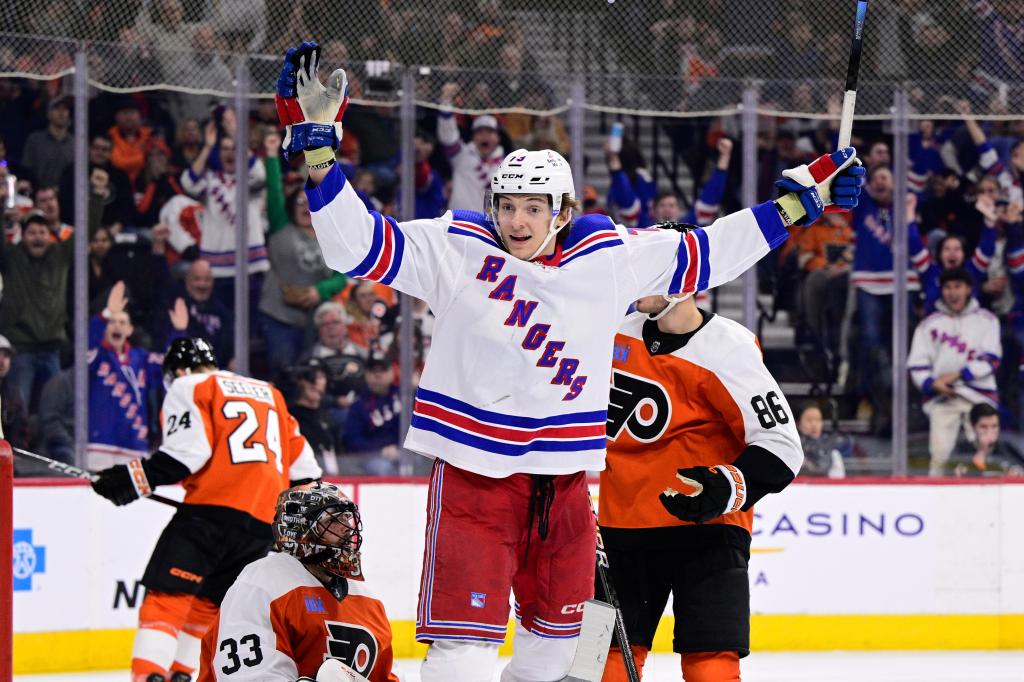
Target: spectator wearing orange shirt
<point>130,139</point>
<point>824,252</point>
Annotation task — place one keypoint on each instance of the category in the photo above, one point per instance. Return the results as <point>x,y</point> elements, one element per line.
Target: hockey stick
<point>76,472</point>
<point>613,601</point>
<point>852,71</point>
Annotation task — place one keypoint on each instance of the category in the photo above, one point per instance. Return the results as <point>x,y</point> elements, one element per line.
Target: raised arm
<point>704,258</point>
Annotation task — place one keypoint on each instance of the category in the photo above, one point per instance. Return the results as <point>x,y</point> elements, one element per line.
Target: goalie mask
<point>320,526</point>
<point>682,228</point>
<point>544,172</point>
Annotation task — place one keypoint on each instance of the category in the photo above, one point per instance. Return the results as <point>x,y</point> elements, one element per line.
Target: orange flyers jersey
<point>278,622</point>
<point>237,438</point>
<point>699,405</point>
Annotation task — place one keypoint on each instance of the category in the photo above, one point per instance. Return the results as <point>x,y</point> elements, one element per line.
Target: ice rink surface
<point>836,666</point>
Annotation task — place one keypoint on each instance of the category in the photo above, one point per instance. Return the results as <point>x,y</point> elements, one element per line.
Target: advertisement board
<point>832,566</point>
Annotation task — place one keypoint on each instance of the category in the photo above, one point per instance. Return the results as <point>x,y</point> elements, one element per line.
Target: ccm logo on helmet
<point>512,176</point>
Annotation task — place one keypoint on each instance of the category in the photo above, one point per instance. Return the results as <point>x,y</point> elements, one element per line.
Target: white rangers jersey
<point>967,343</point>
<point>278,622</point>
<point>517,379</point>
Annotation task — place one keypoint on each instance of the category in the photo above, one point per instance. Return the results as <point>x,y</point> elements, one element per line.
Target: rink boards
<point>852,565</point>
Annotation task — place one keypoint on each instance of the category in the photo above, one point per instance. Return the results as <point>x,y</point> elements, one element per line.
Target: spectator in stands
<point>878,156</point>
<point>953,359</point>
<point>305,402</point>
<point>1001,43</point>
<point>33,312</point>
<point>823,453</point>
<point>430,201</point>
<point>873,284</point>
<point>208,318</point>
<point>341,359</point>
<point>17,106</point>
<point>824,252</point>
<point>100,277</point>
<point>364,312</point>
<point>46,201</point>
<point>473,162</point>
<point>298,281</point>
<point>952,253</point>
<point>49,151</point>
<point>945,209</point>
<point>119,205</point>
<point>990,456</point>
<point>1015,317</point>
<point>121,378</point>
<point>156,184</point>
<point>204,63</point>
<point>371,430</point>
<point>188,142</point>
<point>130,138</point>
<point>218,222</point>
<point>13,416</point>
<point>56,432</point>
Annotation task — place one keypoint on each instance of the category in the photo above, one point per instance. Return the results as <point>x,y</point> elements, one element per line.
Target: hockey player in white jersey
<point>513,400</point>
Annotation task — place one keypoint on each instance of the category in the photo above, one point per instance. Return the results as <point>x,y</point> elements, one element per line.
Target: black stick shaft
<point>857,44</point>
<point>613,600</point>
<point>72,471</point>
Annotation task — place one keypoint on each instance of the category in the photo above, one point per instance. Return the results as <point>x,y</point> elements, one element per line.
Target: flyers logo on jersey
<point>353,645</point>
<point>639,405</point>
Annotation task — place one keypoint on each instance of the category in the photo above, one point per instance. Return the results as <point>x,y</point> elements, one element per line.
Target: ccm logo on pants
<point>570,609</point>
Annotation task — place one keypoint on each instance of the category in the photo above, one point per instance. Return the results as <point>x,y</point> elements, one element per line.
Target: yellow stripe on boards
<point>55,652</point>
<point>50,652</point>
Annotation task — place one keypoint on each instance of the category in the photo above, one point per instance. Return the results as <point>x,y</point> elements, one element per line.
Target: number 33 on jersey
<point>237,438</point>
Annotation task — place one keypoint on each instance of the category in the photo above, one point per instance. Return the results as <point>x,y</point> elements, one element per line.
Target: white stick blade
<point>594,642</point>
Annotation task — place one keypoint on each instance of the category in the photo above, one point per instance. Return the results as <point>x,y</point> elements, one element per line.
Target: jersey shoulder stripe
<point>479,232</point>
<point>387,249</point>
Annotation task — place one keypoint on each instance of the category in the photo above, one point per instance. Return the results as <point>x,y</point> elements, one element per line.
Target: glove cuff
<point>791,209</point>
<point>140,481</point>
<point>737,487</point>
<point>319,157</point>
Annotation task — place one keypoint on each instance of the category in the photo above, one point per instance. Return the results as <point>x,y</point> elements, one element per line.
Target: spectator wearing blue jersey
<point>952,253</point>
<point>873,284</point>
<point>371,429</point>
<point>121,378</point>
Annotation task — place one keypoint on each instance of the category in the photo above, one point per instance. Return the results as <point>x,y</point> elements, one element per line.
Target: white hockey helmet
<point>539,172</point>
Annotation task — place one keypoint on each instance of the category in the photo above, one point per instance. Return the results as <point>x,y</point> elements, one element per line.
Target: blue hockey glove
<point>833,180</point>
<point>310,112</point>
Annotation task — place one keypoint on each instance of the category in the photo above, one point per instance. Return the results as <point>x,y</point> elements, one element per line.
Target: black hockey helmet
<point>319,525</point>
<point>187,353</point>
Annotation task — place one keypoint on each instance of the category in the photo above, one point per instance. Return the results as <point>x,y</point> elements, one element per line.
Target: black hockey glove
<point>123,483</point>
<point>713,491</point>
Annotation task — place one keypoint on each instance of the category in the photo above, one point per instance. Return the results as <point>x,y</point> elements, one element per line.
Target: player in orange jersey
<point>230,441</point>
<point>698,432</point>
<point>303,605</point>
